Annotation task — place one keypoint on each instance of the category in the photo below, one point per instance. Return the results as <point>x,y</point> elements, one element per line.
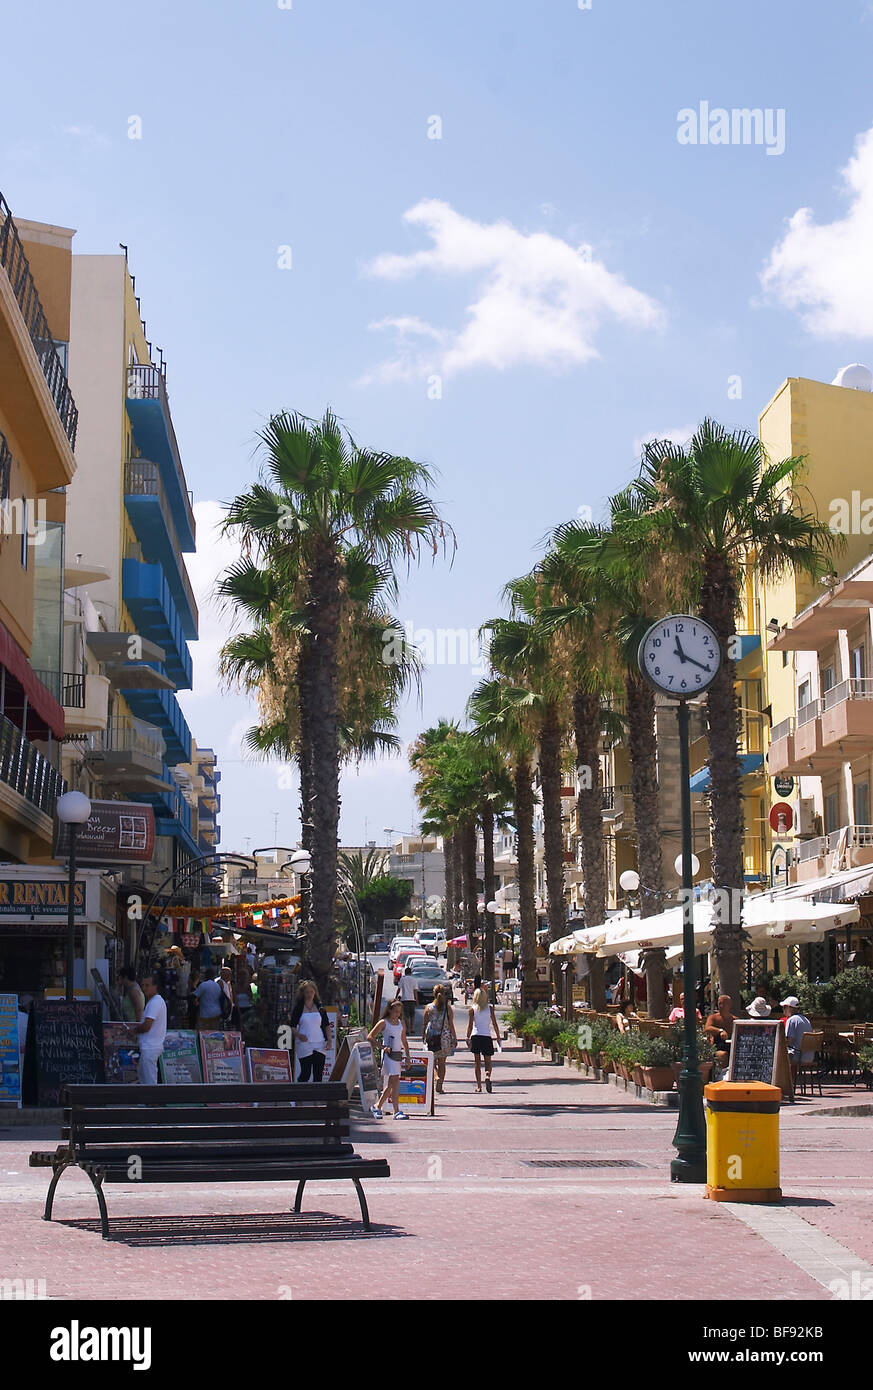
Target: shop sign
<point>118,832</point>
<point>784,785</point>
<point>39,897</point>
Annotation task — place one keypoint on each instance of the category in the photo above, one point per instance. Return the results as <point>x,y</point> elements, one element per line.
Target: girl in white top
<point>393,1031</point>
<point>482,1019</point>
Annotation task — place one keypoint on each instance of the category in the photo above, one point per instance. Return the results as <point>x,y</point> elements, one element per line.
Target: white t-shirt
<point>310,1035</point>
<point>153,1040</point>
<point>407,987</point>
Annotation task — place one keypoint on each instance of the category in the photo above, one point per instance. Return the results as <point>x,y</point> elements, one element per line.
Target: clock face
<point>680,655</point>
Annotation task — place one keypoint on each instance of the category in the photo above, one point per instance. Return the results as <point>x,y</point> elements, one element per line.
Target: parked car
<point>427,973</point>
<point>405,957</point>
<point>378,947</point>
<point>398,944</point>
<point>433,940</point>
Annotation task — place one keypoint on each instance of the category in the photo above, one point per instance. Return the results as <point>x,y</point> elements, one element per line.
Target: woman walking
<point>438,1031</point>
<point>393,1031</point>
<point>311,1029</point>
<point>482,1019</point>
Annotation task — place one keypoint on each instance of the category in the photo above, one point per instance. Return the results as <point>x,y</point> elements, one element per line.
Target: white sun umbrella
<point>775,918</point>
<point>665,929</point>
<point>673,953</point>
<point>565,946</point>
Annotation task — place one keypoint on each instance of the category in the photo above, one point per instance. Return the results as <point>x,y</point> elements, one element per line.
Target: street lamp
<point>629,881</point>
<point>74,809</point>
<point>695,865</point>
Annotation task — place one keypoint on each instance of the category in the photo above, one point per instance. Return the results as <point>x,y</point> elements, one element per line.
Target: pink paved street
<point>555,1186</point>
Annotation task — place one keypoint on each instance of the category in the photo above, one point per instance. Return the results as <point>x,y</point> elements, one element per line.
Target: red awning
<point>39,697</point>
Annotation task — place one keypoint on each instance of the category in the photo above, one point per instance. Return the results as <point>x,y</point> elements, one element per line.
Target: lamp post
<point>629,881</point>
<point>73,810</point>
<point>680,657</point>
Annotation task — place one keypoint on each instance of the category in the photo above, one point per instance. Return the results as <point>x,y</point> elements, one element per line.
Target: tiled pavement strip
<point>463,1206</point>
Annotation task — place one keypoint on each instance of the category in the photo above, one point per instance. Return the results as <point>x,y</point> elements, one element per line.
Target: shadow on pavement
<point>234,1229</point>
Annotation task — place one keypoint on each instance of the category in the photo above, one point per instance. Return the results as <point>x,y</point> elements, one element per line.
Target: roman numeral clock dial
<point>680,656</point>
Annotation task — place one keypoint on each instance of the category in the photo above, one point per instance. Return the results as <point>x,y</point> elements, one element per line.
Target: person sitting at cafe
<point>797,1025</point>
<point>759,1008</point>
<point>678,1013</point>
<point>718,1028</point>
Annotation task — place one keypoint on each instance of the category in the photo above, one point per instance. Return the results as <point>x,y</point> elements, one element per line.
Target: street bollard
<point>742,1141</point>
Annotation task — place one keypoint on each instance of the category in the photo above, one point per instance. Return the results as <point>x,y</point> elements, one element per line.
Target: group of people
<point>438,1031</point>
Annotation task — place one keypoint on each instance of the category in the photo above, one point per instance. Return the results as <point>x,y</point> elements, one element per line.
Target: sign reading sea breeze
<point>759,1053</point>
<point>222,1055</point>
<point>362,1073</point>
<point>10,1061</point>
<point>38,897</point>
<point>269,1064</point>
<point>68,1043</point>
<point>120,1054</point>
<point>180,1059</point>
<point>118,832</point>
<point>415,1088</point>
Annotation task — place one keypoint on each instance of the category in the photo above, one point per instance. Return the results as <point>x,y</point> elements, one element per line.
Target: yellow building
<point>38,422</point>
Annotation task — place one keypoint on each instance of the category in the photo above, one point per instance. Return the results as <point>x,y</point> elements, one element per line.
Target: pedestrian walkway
<point>558,1184</point>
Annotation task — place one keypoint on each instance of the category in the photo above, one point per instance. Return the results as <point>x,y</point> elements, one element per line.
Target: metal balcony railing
<point>860,836</point>
<point>26,770</point>
<point>125,735</point>
<point>146,383</point>
<point>142,478</point>
<point>17,267</point>
<point>782,730</point>
<point>808,712</point>
<point>854,688</point>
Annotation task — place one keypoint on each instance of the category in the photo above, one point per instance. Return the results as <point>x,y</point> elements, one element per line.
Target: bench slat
<point>203,1115</point>
<point>256,1172</point>
<point>246,1150</point>
<point>197,1134</point>
<point>202,1094</point>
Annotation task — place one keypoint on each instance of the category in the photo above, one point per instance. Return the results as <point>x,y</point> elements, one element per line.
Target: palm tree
<point>504,711</point>
<point>438,822</point>
<point>321,497</point>
<point>712,506</point>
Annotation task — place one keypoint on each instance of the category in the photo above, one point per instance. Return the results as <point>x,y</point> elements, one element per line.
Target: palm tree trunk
<point>524,809</point>
<point>586,728</point>
<point>553,830</point>
<point>448,870</point>
<point>487,818</point>
<point>305,703</point>
<point>457,881</point>
<point>324,605</point>
<point>718,608</point>
<point>643,749</point>
<point>468,865</point>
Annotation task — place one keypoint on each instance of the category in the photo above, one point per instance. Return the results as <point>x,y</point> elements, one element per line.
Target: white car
<point>397,946</point>
<point>433,941</point>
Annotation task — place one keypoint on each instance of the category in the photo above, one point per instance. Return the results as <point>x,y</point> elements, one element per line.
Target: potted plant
<point>705,1052</point>
<point>657,1064</point>
<point>865,1064</point>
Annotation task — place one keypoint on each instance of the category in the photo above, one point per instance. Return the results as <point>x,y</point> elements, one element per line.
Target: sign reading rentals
<point>118,832</point>
<point>39,897</point>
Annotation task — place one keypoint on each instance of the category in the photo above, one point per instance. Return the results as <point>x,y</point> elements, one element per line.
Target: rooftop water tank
<point>856,377</point>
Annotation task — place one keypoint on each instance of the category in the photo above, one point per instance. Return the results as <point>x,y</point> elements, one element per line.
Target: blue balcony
<point>151,516</point>
<point>172,812</point>
<point>145,590</point>
<point>149,411</point>
<point>161,708</point>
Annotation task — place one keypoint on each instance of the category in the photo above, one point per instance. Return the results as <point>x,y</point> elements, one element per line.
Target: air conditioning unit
<point>808,822</point>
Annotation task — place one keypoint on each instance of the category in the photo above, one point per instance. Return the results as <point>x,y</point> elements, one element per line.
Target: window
<point>827,679</point>
<point>862,803</point>
<point>832,812</point>
<point>803,694</point>
<point>857,663</point>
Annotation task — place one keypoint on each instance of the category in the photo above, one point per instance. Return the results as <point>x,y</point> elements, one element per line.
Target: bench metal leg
<point>298,1200</point>
<point>50,1195</point>
<point>97,1183</point>
<point>365,1215</point>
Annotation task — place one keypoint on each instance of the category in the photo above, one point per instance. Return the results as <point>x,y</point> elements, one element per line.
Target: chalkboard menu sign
<point>68,1043</point>
<point>759,1053</point>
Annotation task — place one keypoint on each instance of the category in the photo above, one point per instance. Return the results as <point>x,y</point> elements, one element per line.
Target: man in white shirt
<point>153,1029</point>
<point>407,996</point>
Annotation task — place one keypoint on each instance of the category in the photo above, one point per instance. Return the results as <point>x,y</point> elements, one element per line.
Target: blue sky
<point>587,279</point>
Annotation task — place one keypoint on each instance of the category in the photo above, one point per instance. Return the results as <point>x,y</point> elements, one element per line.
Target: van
<point>433,941</point>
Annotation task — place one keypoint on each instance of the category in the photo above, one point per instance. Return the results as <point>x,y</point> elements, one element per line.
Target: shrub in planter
<point>658,1057</point>
<point>865,1064</point>
<point>853,993</point>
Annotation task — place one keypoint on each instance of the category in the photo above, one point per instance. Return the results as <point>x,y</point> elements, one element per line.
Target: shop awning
<point>39,697</point>
<point>749,762</point>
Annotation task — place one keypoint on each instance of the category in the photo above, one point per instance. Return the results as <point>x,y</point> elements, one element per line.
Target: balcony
<point>149,410</point>
<point>19,280</point>
<point>85,699</point>
<point>127,751</point>
<point>827,853</point>
<point>147,595</point>
<point>611,803</point>
<point>810,752</point>
<point>149,510</point>
<point>781,757</point>
<point>28,773</point>
<point>161,709</point>
<point>847,715</point>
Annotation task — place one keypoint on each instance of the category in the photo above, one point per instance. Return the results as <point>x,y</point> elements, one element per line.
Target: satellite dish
<point>856,377</point>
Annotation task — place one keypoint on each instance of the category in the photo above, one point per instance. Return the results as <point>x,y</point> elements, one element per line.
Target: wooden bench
<point>217,1133</point>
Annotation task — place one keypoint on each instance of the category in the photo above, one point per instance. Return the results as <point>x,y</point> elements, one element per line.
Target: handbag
<point>434,1035</point>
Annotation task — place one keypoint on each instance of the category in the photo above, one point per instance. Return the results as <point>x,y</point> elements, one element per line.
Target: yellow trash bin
<point>742,1141</point>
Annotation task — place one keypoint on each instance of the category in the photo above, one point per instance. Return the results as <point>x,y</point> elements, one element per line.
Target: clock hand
<point>679,652</point>
<point>698,663</point>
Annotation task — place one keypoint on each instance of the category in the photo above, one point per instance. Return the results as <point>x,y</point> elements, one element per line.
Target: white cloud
<point>823,270</point>
<point>88,134</point>
<point>538,300</point>
<point>680,435</point>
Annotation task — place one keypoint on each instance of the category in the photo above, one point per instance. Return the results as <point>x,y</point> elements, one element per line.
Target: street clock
<point>680,656</point>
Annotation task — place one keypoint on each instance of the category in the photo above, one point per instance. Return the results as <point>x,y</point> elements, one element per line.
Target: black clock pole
<point>690,1137</point>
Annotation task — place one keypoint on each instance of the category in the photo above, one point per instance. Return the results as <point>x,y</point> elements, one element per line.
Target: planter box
<point>526,1044</point>
<point>604,1064</point>
<point>705,1069</point>
<point>639,1080</point>
<point>658,1078</point>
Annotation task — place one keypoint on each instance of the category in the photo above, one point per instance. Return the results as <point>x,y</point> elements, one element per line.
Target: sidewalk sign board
<point>68,1046</point>
<point>180,1059</point>
<point>269,1064</point>
<point>120,1054</point>
<point>415,1090</point>
<point>759,1052</point>
<point>10,1058</point>
<point>361,1073</point>
<point>222,1055</point>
